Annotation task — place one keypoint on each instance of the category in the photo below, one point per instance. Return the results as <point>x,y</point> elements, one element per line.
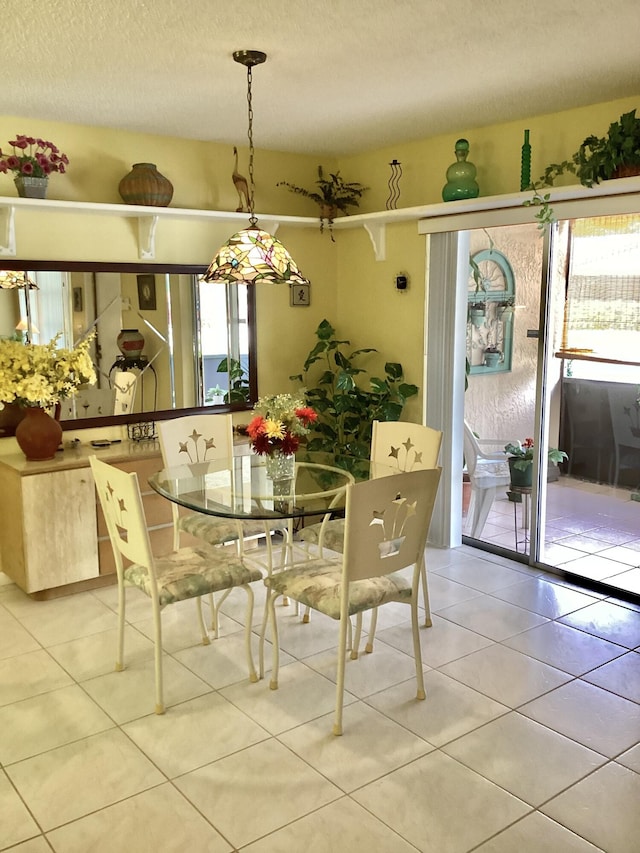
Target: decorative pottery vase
<point>280,466</point>
<point>29,187</point>
<point>461,176</point>
<point>10,416</point>
<point>130,343</point>
<point>38,435</point>
<point>145,185</point>
<point>520,479</point>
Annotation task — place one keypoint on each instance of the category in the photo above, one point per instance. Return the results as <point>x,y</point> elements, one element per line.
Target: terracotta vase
<point>130,343</point>
<point>38,435</point>
<point>145,185</point>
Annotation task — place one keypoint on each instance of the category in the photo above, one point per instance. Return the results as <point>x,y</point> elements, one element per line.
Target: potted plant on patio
<point>616,155</point>
<point>520,459</point>
<point>334,195</point>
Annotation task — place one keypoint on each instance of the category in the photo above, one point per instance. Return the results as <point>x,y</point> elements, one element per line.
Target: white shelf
<point>147,217</point>
<point>374,223</point>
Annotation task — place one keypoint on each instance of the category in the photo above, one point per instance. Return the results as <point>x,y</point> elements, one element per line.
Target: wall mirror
<point>186,330</point>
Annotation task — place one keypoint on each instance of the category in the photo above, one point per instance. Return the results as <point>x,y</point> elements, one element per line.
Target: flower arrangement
<point>523,454</point>
<point>39,161</point>
<point>279,424</point>
<point>40,375</point>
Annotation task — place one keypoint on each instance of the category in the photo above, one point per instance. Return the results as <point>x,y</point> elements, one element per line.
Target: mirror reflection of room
<point>160,342</point>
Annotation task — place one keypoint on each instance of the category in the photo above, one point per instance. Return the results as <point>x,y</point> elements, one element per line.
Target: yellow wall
<point>349,287</point>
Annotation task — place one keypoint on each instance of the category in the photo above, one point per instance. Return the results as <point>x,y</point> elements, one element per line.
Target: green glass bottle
<point>461,176</point>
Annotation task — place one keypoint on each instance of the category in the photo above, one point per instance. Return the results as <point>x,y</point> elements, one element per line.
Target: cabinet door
<point>60,531</point>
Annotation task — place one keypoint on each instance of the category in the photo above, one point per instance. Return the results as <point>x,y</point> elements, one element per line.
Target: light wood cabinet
<point>52,535</point>
<point>48,527</point>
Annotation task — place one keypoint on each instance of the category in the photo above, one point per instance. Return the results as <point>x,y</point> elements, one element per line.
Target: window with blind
<point>602,307</point>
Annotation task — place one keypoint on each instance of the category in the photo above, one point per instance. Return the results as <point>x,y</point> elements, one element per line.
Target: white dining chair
<point>185,573</point>
<point>206,438</point>
<point>395,446</point>
<point>386,525</point>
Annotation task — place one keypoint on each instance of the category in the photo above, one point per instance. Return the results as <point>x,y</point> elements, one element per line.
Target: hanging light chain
<point>252,218</point>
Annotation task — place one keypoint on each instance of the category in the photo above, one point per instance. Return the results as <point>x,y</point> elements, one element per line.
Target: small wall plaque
<point>301,294</point>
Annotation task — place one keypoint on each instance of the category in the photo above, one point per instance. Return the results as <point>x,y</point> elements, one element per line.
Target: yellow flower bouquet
<point>41,375</point>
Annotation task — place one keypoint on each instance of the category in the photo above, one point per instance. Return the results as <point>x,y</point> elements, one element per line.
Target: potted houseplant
<point>333,194</point>
<point>616,155</point>
<point>346,408</point>
<point>520,459</point>
<point>492,356</point>
<point>32,160</point>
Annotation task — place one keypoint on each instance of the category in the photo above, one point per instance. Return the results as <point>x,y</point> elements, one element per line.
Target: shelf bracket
<point>147,237</point>
<point>7,230</point>
<point>377,232</point>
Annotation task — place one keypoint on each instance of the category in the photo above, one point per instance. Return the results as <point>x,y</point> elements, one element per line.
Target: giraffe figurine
<point>241,185</point>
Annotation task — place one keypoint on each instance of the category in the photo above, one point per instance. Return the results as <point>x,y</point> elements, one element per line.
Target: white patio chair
<point>488,474</point>
<point>386,525</point>
<point>186,573</point>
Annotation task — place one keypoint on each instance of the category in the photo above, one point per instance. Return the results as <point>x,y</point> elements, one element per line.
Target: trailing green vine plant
<point>597,159</point>
<point>333,385</point>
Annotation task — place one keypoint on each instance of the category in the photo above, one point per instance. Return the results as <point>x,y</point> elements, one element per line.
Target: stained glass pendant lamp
<point>16,280</point>
<point>252,256</point>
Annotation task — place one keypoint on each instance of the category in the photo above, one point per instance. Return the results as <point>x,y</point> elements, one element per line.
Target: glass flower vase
<point>280,466</point>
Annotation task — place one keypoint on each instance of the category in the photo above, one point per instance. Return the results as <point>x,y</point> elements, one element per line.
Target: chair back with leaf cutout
<point>405,446</point>
<point>195,438</point>
<point>121,502</point>
<point>387,522</point>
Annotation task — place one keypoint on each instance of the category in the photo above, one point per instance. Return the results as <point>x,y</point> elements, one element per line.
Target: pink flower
<point>27,168</point>
<point>20,142</point>
<point>3,166</point>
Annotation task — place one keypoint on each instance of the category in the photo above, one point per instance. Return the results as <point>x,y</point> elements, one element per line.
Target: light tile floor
<point>529,739</point>
<point>592,530</point>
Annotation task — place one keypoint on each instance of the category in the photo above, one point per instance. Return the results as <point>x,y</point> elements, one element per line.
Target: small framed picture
<point>301,294</point>
<point>146,292</point>
<point>78,300</point>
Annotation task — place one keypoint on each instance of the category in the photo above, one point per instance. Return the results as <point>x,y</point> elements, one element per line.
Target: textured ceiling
<point>342,75</point>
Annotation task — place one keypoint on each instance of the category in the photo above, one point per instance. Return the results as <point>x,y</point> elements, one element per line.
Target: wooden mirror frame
<point>162,269</point>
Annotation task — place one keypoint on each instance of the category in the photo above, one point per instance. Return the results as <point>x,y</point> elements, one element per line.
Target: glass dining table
<point>239,488</point>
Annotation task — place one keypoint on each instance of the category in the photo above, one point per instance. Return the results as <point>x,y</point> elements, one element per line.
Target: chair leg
<point>247,633</point>
<point>275,641</point>
<point>425,596</point>
<point>215,611</point>
<point>203,628</point>
<point>263,631</point>
<point>157,637</point>
<point>342,655</point>
<point>355,646</point>
<point>372,631</point>
<point>120,646</point>
<point>482,505</point>
<point>417,651</point>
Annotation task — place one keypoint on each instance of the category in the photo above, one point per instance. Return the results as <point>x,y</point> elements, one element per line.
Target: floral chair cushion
<point>219,531</point>
<point>333,538</point>
<point>191,572</point>
<point>318,586</point>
